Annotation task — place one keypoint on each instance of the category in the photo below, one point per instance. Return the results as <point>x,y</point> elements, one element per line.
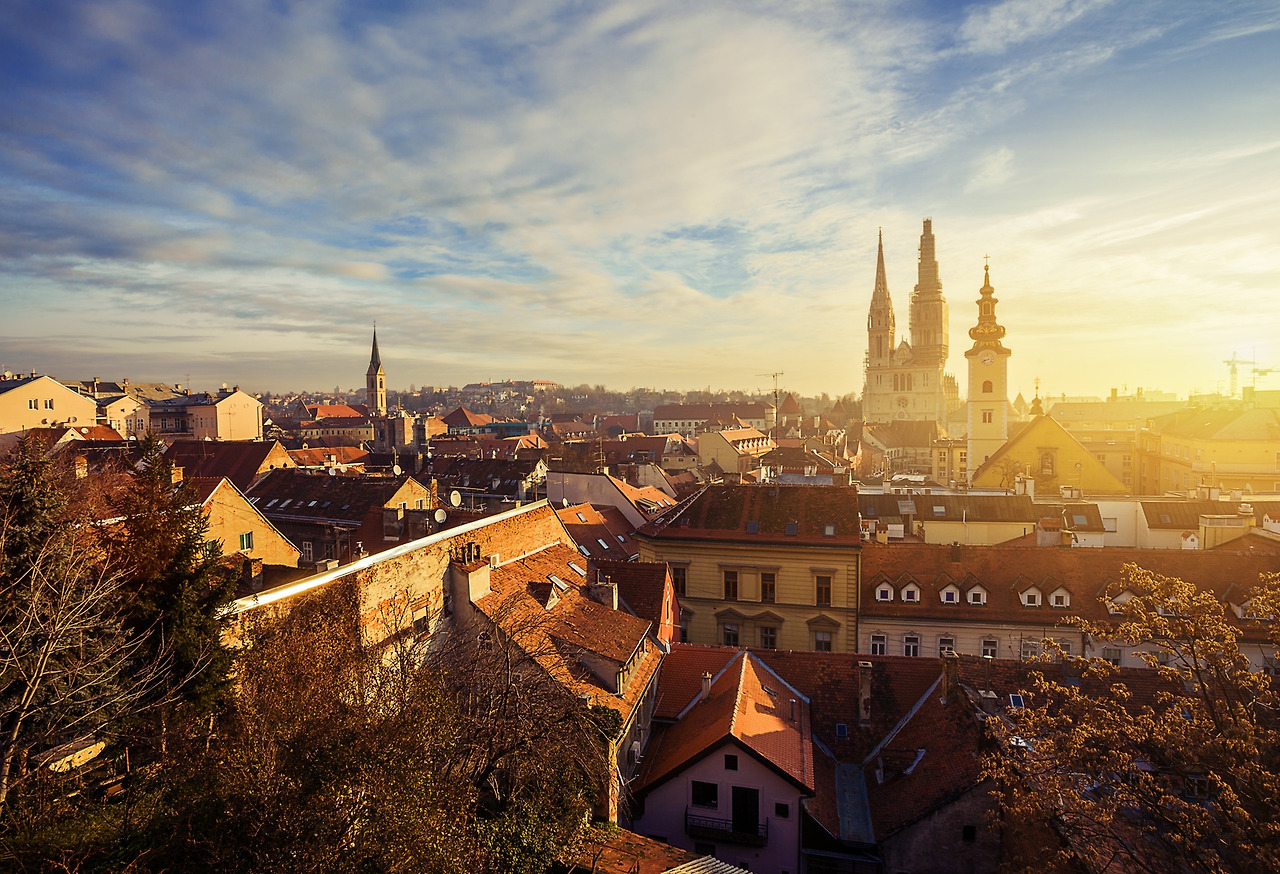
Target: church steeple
<point>880,324</point>
<point>376,381</point>
<point>988,406</point>
<point>929,317</point>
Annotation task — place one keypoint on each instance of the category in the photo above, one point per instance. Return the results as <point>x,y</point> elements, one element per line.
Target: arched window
<point>1047,466</point>
<point>986,387</point>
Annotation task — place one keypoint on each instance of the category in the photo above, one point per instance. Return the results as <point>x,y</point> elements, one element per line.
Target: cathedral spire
<point>375,359</point>
<point>376,381</point>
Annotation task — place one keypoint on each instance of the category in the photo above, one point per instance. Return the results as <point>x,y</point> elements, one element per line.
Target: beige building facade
<point>33,401</point>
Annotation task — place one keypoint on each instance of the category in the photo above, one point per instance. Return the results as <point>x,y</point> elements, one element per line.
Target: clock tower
<point>988,404</point>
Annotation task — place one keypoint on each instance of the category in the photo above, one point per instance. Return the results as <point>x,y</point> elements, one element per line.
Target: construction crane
<point>1262,371</point>
<point>775,376</point>
<point>1234,362</point>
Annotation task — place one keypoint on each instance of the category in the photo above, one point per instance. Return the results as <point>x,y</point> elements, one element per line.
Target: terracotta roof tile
<point>766,514</point>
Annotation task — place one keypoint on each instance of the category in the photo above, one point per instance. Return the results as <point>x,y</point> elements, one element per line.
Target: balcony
<point>715,829</point>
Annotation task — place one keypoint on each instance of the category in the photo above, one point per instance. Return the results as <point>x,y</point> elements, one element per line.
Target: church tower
<point>929,316</point>
<point>988,405</point>
<point>375,382</point>
<point>907,381</point>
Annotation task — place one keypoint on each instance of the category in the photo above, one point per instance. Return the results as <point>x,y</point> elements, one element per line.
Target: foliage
<point>68,667</point>
<point>178,585</point>
<point>1177,768</point>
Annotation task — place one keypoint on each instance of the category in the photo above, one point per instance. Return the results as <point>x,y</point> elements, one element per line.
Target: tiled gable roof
<point>641,585</point>
<point>749,704</point>
<point>1184,515</point>
<point>954,508</point>
<point>574,622</point>
<point>464,418</point>
<point>597,532</point>
<point>241,461</point>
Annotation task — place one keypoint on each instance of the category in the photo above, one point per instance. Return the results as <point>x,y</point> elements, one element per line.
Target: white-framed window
<point>307,551</point>
<point>950,595</point>
<point>730,634</point>
<point>822,641</point>
<point>879,644</point>
<point>911,595</point>
<point>991,647</point>
<point>946,645</point>
<point>246,541</point>
<point>1111,654</point>
<point>1030,649</point>
<point>977,597</point>
<point>911,645</point>
<point>1061,599</point>
<point>1031,598</point>
<point>884,593</point>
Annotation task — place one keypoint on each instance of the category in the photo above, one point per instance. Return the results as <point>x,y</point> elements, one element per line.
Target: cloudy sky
<point>678,194</point>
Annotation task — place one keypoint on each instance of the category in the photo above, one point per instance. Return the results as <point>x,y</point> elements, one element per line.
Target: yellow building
<point>1218,448</point>
<point>773,566</point>
<point>736,451</point>
<point>1109,429</point>
<point>1047,453</point>
<point>31,401</point>
<point>239,527</point>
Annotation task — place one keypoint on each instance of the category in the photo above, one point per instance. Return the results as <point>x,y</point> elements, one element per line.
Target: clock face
<point>987,357</point>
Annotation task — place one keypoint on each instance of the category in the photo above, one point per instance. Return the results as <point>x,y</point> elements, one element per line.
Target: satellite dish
<point>564,502</point>
<point>455,498</point>
<point>395,468</point>
<point>440,516</point>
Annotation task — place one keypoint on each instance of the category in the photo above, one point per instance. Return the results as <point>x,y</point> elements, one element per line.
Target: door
<point>746,810</point>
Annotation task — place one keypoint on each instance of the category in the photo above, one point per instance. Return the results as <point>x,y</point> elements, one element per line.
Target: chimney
<point>606,593</point>
<point>176,476</point>
<point>706,686</point>
<point>793,710</point>
<point>864,694</point>
<point>950,676</point>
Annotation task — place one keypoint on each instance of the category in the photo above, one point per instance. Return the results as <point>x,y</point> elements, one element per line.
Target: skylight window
<point>577,568</point>
<point>581,518</point>
<point>753,526</point>
<point>829,530</point>
<point>284,503</point>
<point>939,511</point>
<point>313,503</point>
<point>793,528</point>
<point>1016,700</point>
<point>559,583</point>
<point>601,541</point>
<point>1166,518</point>
<point>870,511</point>
<point>1079,519</point>
<point>582,549</point>
<point>272,501</point>
<point>622,538</point>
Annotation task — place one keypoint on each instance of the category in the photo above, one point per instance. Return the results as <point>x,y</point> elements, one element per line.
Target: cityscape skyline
<point>638,194</point>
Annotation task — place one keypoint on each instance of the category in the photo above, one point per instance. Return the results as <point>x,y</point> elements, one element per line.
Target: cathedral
<point>908,381</point>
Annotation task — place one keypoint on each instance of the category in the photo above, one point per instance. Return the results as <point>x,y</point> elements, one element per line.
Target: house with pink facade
<point>729,777</point>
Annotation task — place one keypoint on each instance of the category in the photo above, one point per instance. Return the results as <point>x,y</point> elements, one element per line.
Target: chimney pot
<point>706,686</point>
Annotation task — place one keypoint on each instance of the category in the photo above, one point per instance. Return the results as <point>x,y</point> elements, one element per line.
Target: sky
<point>678,195</point>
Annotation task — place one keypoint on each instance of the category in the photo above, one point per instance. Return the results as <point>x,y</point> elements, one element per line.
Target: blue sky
<point>661,194</point>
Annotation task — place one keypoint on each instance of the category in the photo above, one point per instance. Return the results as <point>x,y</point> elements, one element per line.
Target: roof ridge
<point>737,695</point>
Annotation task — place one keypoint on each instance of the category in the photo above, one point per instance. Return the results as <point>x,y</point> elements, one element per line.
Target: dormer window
<point>950,595</point>
<point>884,593</point>
<point>1031,598</point>
<point>977,597</point>
<point>1061,598</point>
<point>911,595</point>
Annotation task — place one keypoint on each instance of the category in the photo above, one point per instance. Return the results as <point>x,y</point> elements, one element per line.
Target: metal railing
<point>714,828</point>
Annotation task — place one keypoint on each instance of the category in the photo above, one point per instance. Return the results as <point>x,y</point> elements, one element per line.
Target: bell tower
<point>375,382</point>
<point>988,404</point>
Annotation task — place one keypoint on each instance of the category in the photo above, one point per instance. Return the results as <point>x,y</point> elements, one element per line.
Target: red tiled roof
<point>337,411</point>
<point>588,526</point>
<point>618,851</point>
<point>725,512</point>
<point>748,704</point>
<point>574,622</point>
<point>241,461</point>
<point>464,418</point>
<point>641,584</point>
<point>319,457</point>
<point>1005,572</point>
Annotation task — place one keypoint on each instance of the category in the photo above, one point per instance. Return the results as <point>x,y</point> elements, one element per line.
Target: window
<point>1112,655</point>
<point>1031,599</point>
<point>991,647</point>
<point>987,417</point>
<point>768,587</point>
<point>768,637</point>
<point>1030,649</point>
<point>910,595</point>
<point>911,645</point>
<point>677,579</point>
<point>842,729</point>
<point>793,528</point>
<point>1048,464</point>
<point>246,540</point>
<point>969,833</point>
<point>1109,524</point>
<point>829,530</point>
<point>1060,599</point>
<point>946,645</point>
<point>1065,646</point>
<point>949,596</point>
<point>823,591</point>
<point>731,585</point>
<point>879,644</point>
<point>730,634</point>
<point>781,810</point>
<point>33,404</point>
<point>730,761</point>
<point>977,597</point>
<point>822,641</point>
<point>705,794</point>
<point>306,550</point>
<point>884,593</point>
<point>48,403</point>
<point>987,388</point>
